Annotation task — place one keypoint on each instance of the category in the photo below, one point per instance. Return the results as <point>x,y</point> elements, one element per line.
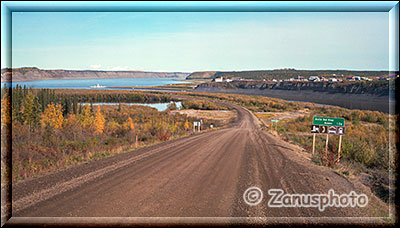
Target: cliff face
<point>374,88</point>
<point>359,95</point>
<point>31,74</point>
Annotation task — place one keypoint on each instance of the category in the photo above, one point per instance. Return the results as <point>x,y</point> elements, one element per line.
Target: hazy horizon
<point>72,69</point>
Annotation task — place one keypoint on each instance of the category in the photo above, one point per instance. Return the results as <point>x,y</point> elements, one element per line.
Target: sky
<point>200,41</point>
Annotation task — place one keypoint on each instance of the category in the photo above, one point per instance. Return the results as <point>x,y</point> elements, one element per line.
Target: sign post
<point>314,129</point>
<point>339,151</point>
<point>326,149</point>
<point>328,125</point>
<point>275,123</point>
<point>198,125</point>
<point>313,144</point>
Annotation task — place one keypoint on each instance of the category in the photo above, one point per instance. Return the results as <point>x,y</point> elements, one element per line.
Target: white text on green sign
<point>328,121</point>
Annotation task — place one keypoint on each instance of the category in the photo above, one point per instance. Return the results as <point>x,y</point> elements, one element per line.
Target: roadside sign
<point>328,121</point>
<point>340,130</point>
<point>332,130</point>
<point>275,121</point>
<point>196,124</point>
<point>323,129</point>
<point>315,129</point>
<point>328,125</point>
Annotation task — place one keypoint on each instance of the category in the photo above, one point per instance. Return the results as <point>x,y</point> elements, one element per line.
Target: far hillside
<point>202,75</point>
<point>284,74</point>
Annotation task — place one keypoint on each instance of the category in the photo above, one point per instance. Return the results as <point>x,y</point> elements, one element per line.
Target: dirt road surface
<point>198,176</point>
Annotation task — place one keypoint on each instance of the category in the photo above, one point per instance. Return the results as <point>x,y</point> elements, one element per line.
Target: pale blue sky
<point>187,41</point>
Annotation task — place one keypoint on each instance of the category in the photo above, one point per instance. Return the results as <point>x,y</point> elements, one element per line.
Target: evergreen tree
<point>75,106</point>
<point>119,107</point>
<point>67,106</point>
<point>31,110</point>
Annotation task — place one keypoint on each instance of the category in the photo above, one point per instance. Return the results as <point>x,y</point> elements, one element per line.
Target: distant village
<point>333,78</point>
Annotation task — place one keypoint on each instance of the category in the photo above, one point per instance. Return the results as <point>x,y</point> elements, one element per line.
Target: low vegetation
<point>51,130</point>
<point>253,103</point>
<point>201,105</point>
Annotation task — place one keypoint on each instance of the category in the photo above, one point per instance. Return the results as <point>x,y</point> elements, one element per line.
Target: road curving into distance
<point>202,176</point>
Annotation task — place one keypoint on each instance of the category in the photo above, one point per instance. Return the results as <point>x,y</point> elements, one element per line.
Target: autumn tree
<point>52,116</point>
<point>129,124</point>
<point>85,116</point>
<point>72,126</point>
<point>186,126</point>
<point>99,122</point>
<point>5,110</point>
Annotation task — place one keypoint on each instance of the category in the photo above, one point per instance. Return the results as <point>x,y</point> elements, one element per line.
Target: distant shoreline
<point>36,74</point>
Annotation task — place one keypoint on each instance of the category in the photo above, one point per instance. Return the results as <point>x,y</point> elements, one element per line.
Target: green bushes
<point>201,105</point>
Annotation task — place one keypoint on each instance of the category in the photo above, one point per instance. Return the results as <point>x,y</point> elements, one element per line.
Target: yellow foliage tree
<point>52,116</point>
<point>5,111</point>
<point>85,117</point>
<point>186,126</point>
<point>129,124</point>
<point>99,122</point>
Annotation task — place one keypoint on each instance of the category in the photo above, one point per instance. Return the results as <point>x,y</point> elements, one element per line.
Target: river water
<point>87,83</point>
<point>158,106</point>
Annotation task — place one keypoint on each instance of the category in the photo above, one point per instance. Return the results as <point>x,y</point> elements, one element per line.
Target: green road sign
<point>328,121</point>
<point>275,121</point>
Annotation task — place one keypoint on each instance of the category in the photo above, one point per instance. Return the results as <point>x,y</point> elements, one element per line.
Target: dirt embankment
<point>33,73</point>
<point>368,95</point>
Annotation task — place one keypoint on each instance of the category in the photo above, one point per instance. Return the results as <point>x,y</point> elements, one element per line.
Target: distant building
<point>313,79</point>
<point>366,79</point>
<point>222,79</point>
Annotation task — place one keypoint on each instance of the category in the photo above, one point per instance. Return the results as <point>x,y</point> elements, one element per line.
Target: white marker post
<point>313,144</point>
<point>326,149</point>
<point>340,146</point>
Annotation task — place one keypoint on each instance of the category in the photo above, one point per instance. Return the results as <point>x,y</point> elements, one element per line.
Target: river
<point>88,83</point>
